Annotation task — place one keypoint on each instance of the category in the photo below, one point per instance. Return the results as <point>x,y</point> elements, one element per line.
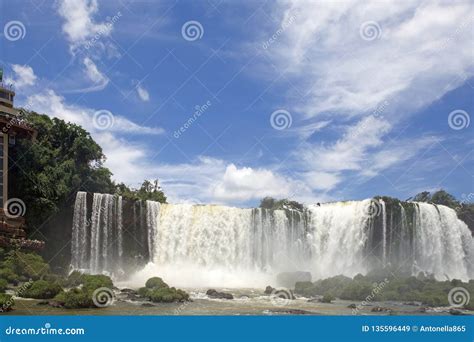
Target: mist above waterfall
<point>211,245</point>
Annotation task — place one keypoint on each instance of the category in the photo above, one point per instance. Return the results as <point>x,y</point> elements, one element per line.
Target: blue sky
<point>367,98</point>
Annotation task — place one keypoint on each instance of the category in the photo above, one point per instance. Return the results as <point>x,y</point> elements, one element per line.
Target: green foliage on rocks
<point>271,203</point>
<point>75,299</point>
<point>158,291</point>
<point>373,287</point>
<point>167,295</point>
<point>155,282</point>
<point>41,289</point>
<point>6,302</point>
<point>27,265</point>
<point>84,285</point>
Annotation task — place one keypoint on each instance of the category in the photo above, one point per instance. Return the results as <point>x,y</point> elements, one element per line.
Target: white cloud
<point>246,183</point>
<point>24,76</point>
<point>351,151</point>
<point>79,25</point>
<point>143,93</point>
<point>54,105</point>
<point>321,180</point>
<point>416,59</point>
<point>93,73</point>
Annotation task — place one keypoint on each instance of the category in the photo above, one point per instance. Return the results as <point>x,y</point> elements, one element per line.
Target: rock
<point>352,306</point>
<point>148,305</point>
<point>314,300</point>
<point>219,295</point>
<point>292,311</point>
<point>413,303</point>
<point>289,279</point>
<point>456,312</point>
<point>43,302</point>
<point>380,309</point>
<point>269,290</point>
<point>56,304</point>
<point>128,291</point>
<point>421,310</point>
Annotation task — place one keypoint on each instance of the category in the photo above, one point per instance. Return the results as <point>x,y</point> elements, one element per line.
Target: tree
<point>47,173</point>
<point>149,190</point>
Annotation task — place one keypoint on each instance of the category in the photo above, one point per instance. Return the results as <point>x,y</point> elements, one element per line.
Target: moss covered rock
<point>75,299</point>
<point>167,295</point>
<point>94,281</point>
<point>155,282</point>
<point>158,291</point>
<point>6,302</point>
<point>41,289</point>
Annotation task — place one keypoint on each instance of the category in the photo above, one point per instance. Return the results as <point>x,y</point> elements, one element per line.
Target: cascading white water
<point>210,245</point>
<point>152,211</point>
<point>444,243</point>
<point>79,235</point>
<point>338,236</point>
<point>102,233</point>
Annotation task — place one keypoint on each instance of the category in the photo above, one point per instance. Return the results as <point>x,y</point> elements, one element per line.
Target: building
<point>12,127</point>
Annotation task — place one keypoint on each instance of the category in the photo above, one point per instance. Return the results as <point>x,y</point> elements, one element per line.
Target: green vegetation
<point>81,297</point>
<point>6,302</point>
<point>23,266</point>
<point>48,172</point>
<point>464,208</point>
<point>377,286</point>
<point>158,291</point>
<point>271,203</point>
<point>148,191</point>
<point>41,289</point>
<point>167,295</point>
<point>155,282</point>
<point>3,285</point>
<point>327,298</point>
<point>92,282</point>
<point>8,275</point>
<point>75,299</point>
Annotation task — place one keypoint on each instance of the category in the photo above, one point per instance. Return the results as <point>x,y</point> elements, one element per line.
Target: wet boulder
<point>218,295</point>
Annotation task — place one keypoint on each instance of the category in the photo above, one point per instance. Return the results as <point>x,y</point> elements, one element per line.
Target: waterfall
<point>152,210</point>
<point>101,232</point>
<point>213,244</point>
<point>79,234</point>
